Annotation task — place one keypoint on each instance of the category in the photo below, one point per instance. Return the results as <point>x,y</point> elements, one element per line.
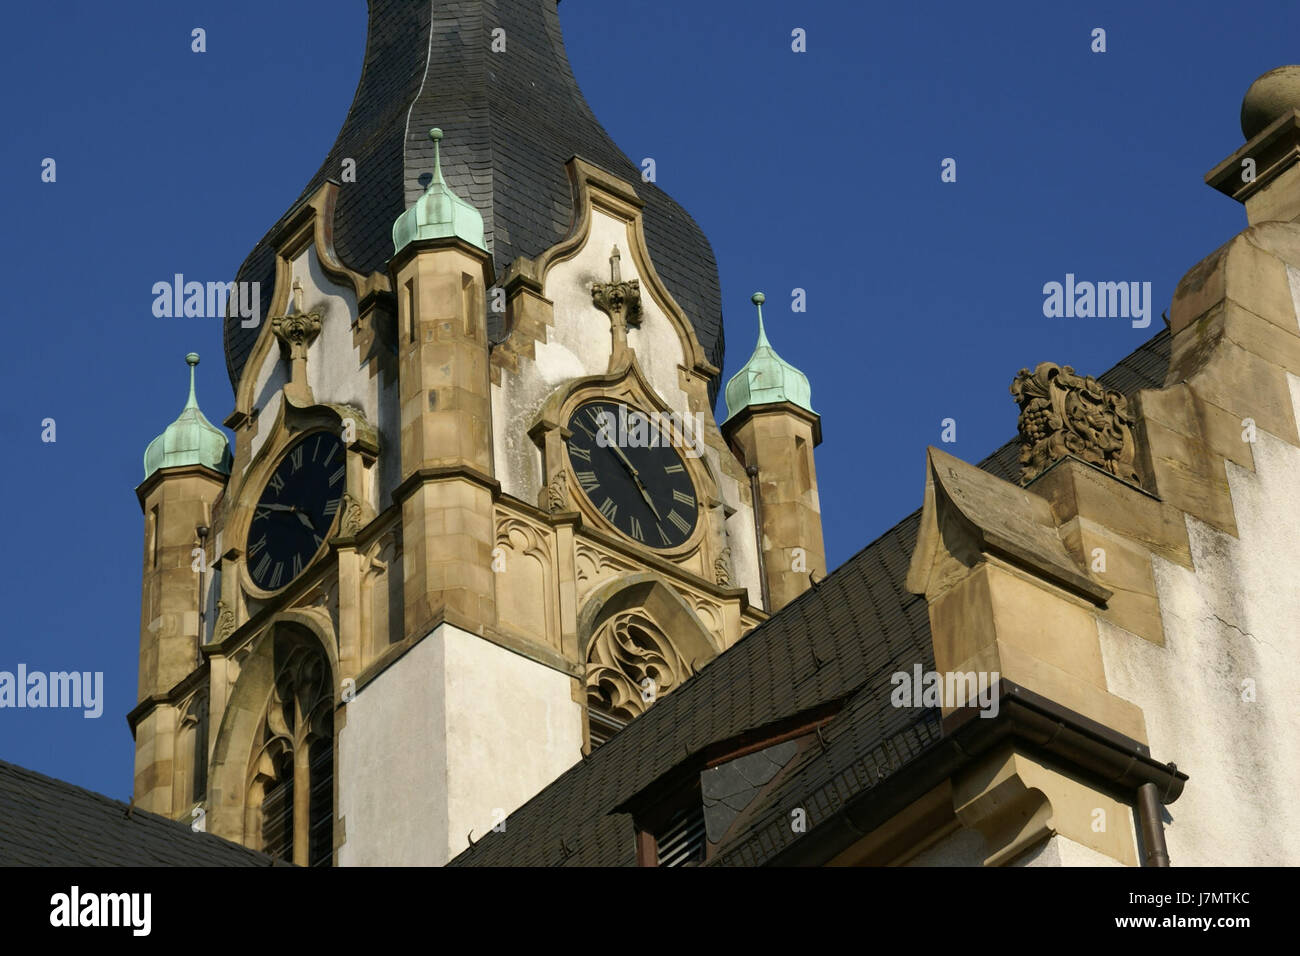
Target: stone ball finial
<point>192,359</point>
<point>1274,94</point>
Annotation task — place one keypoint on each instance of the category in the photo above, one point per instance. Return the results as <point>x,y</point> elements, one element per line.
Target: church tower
<point>480,514</point>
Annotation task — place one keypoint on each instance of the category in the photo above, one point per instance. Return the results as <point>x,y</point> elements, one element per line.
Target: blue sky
<point>818,170</point>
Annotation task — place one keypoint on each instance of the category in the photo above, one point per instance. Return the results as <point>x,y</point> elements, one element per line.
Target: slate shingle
<point>47,822</point>
<point>511,121</point>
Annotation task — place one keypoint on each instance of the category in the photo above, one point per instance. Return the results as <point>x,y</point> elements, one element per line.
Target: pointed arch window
<point>291,781</point>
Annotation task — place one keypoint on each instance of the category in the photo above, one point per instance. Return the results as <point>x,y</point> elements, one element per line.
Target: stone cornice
<point>146,487</point>
<point>1274,150</point>
<point>734,423</point>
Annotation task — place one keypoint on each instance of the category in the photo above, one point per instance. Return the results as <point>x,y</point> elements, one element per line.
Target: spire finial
<point>190,440</point>
<point>439,213</point>
<point>766,378</point>
<point>758,299</point>
<point>435,134</point>
<point>192,359</point>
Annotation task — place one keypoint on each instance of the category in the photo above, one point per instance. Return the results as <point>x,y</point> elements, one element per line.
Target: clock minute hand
<point>631,468</point>
<point>636,477</point>
<point>646,495</point>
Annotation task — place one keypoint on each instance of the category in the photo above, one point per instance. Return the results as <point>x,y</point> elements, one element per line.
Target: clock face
<point>297,508</point>
<point>642,489</point>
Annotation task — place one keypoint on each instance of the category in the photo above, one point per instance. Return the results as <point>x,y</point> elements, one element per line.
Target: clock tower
<point>479,513</point>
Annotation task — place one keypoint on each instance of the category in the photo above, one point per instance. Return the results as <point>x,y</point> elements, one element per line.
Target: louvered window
<point>277,812</point>
<point>321,835</point>
<point>681,841</point>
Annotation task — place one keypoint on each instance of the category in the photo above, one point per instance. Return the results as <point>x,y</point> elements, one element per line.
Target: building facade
<point>483,577</point>
<point>479,513</point>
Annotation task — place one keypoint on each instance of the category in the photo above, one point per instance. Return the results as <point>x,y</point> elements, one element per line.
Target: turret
<point>441,269</point>
<point>185,469</point>
<point>773,429</point>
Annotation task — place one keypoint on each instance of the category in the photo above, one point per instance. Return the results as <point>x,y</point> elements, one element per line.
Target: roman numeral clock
<point>643,491</point>
<point>296,510</point>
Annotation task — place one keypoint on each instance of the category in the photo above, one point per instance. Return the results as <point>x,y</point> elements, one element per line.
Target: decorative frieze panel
<point>594,565</point>
<point>523,559</point>
<point>1062,413</point>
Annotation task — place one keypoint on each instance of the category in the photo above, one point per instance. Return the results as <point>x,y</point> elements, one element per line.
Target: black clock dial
<point>635,478</point>
<point>293,517</point>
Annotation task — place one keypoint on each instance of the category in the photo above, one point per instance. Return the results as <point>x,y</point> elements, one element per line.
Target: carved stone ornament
<point>353,519</point>
<point>1062,414</point>
<point>557,493</point>
<point>225,625</point>
<point>621,301</point>
<point>631,665</point>
<point>722,568</point>
<point>296,329</point>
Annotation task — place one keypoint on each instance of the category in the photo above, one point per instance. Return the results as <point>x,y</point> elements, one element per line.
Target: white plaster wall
<point>334,366</point>
<point>1062,851</point>
<point>392,775</point>
<point>456,729</point>
<point>267,395</point>
<point>578,345</point>
<point>1236,618</point>
<point>512,728</point>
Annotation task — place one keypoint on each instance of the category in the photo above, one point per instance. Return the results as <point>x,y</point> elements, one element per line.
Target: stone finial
<point>1064,414</point>
<point>190,440</point>
<point>296,330</point>
<point>621,301</point>
<point>439,213</point>
<point>766,377</point>
<point>1270,97</point>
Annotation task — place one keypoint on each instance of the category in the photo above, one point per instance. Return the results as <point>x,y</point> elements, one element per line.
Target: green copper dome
<point>766,377</point>
<point>439,213</point>
<point>190,440</point>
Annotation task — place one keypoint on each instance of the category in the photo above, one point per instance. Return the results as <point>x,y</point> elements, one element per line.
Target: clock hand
<point>631,468</point>
<point>605,424</point>
<point>278,507</point>
<point>627,464</point>
<point>302,516</point>
<point>646,495</point>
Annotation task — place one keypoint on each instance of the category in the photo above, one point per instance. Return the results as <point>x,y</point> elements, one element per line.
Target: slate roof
<point>840,640</point>
<point>47,822</point>
<point>511,121</point>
